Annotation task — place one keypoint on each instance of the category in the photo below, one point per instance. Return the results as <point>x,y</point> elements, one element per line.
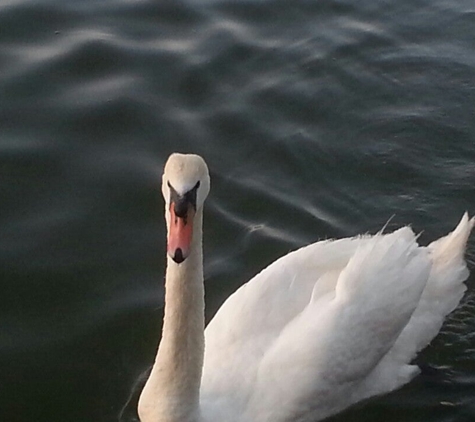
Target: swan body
<point>318,330</point>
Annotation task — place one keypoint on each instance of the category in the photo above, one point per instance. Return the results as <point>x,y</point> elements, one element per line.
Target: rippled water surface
<point>318,119</point>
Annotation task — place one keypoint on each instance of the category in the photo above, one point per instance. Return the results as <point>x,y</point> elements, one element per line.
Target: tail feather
<point>442,294</point>
<point>451,248</point>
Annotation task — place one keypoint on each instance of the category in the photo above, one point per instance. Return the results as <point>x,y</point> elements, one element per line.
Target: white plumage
<point>330,324</point>
<point>323,327</point>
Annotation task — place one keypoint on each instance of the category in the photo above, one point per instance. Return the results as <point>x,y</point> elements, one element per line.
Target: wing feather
<point>313,300</point>
<point>328,325</point>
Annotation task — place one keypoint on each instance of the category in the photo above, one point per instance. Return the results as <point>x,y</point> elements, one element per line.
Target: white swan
<point>318,330</point>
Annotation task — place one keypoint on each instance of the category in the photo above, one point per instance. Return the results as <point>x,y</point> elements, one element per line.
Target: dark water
<point>317,119</point>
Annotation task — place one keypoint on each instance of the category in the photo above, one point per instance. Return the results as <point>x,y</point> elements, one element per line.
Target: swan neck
<point>172,391</point>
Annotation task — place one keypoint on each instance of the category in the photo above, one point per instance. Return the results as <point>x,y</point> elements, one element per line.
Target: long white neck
<point>171,393</point>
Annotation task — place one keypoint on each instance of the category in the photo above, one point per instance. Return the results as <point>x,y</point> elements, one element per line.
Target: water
<point>317,119</point>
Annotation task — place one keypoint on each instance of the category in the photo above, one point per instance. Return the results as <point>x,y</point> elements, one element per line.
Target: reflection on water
<point>317,119</point>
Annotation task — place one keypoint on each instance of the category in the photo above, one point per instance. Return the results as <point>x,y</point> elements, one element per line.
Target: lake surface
<point>318,119</point>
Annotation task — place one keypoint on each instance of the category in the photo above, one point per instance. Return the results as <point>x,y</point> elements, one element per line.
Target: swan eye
<point>182,201</point>
<point>195,188</point>
<point>191,195</point>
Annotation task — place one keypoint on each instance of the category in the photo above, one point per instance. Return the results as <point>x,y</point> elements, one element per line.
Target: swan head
<point>185,186</point>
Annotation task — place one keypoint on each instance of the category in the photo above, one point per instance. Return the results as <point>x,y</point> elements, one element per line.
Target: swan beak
<point>180,232</point>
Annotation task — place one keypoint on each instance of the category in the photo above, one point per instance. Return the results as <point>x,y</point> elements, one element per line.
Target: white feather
<point>328,325</point>
<point>320,329</point>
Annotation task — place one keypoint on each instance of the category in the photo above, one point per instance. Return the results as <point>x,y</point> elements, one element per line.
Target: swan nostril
<point>178,257</point>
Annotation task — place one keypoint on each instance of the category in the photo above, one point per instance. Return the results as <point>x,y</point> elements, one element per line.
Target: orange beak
<point>180,234</point>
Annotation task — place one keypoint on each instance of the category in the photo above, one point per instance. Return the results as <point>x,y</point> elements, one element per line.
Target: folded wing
<point>318,329</point>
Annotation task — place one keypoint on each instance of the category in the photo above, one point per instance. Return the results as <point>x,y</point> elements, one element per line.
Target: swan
<point>318,330</point>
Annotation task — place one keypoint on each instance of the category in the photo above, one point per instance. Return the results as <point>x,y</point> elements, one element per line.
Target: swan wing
<point>333,307</point>
<point>326,326</point>
<point>442,294</point>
